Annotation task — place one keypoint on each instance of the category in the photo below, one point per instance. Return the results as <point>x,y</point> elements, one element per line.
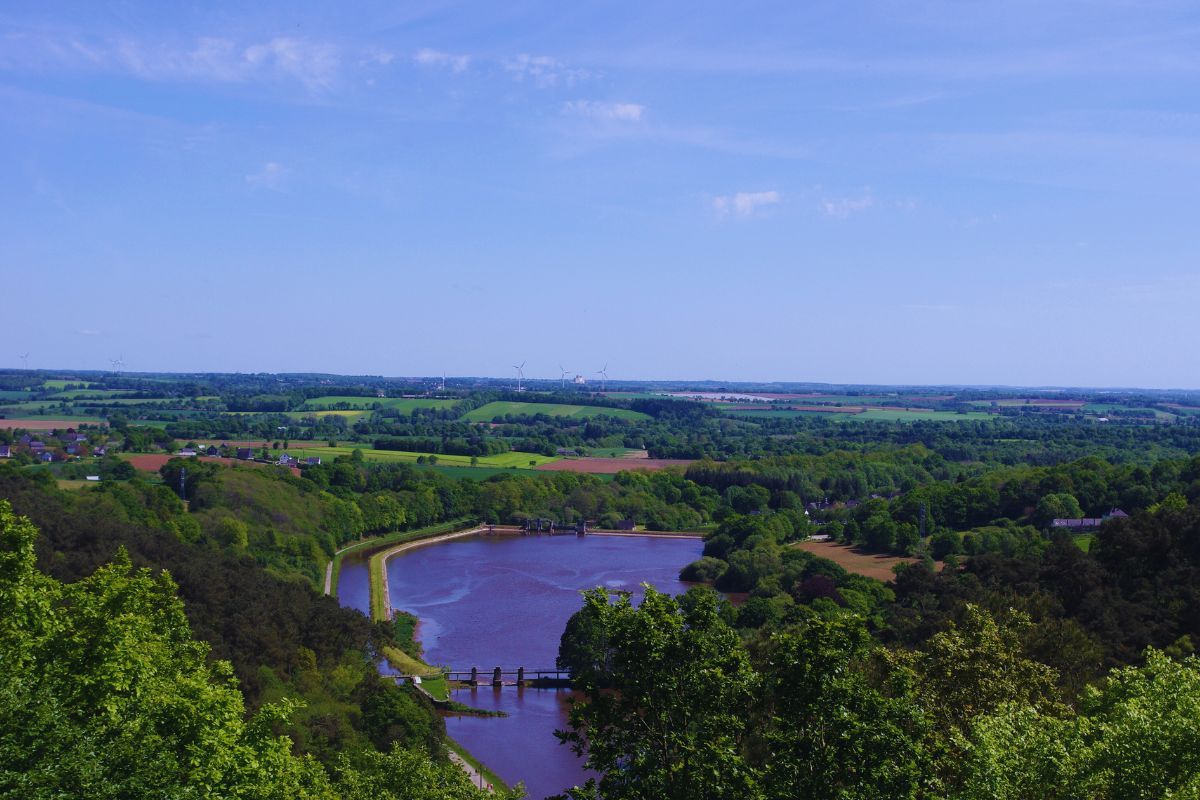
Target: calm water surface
<point>491,601</point>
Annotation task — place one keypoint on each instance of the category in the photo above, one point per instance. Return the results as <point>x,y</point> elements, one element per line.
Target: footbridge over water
<point>521,676</point>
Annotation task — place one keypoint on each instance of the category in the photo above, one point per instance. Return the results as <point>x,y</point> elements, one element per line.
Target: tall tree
<point>674,726</point>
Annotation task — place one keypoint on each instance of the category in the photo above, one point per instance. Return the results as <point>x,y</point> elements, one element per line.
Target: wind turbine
<point>520,375</point>
<point>25,361</point>
<point>563,376</point>
<point>603,373</point>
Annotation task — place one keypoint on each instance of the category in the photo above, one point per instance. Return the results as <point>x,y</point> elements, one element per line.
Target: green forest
<point>164,630</point>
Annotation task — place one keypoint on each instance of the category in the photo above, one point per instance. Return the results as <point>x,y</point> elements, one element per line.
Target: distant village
<point>76,445</point>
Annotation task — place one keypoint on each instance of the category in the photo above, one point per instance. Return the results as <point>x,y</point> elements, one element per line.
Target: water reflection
<point>503,601</point>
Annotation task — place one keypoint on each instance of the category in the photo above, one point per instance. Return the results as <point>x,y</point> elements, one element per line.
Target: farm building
<point>313,461</point>
<point>1087,523</point>
<point>5,451</point>
<point>245,453</point>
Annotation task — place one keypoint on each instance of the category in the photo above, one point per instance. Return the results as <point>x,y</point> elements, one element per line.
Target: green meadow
<point>62,384</point>
<point>502,461</point>
<point>501,408</point>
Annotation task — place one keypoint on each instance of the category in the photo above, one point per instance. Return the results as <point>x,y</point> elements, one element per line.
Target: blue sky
<point>882,192</point>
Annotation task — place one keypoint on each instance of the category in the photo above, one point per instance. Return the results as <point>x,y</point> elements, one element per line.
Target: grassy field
<point>502,461</point>
<point>60,384</point>
<point>349,416</point>
<point>501,408</point>
<point>76,394</point>
<point>13,394</point>
<point>404,404</point>
<point>1083,540</point>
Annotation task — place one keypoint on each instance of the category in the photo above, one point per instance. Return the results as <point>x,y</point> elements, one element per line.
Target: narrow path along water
<point>503,601</point>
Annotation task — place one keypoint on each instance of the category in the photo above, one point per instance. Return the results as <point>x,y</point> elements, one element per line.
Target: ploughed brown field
<point>851,559</point>
<point>44,424</point>
<point>153,462</point>
<point>611,466</point>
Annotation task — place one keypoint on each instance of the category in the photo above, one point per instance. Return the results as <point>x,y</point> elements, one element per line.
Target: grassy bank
<point>375,565</point>
<point>387,539</point>
<point>487,774</point>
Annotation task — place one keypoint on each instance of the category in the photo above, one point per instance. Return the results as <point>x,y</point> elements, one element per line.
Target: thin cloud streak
<point>744,204</point>
<point>612,112</point>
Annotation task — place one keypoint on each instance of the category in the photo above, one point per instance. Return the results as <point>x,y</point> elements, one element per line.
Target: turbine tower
<point>520,375</point>
<point>603,373</point>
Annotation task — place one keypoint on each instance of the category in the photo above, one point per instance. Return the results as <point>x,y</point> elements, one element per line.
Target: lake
<point>489,601</point>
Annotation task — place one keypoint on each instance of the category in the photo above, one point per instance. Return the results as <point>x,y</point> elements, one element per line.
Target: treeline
<point>982,514</point>
<point>284,641</point>
<point>462,446</point>
<point>677,705</point>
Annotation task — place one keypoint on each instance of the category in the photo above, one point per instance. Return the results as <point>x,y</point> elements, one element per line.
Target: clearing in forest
<point>852,559</point>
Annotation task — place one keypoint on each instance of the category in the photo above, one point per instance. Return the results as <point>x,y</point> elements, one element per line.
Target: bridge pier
<point>496,682</point>
<point>474,676</point>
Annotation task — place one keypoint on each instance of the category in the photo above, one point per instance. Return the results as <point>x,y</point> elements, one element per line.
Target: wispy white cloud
<point>313,64</point>
<point>598,109</point>
<point>744,204</point>
<point>269,176</point>
<point>88,332</point>
<point>455,62</point>
<point>544,71</point>
<point>842,207</point>
<point>376,56</point>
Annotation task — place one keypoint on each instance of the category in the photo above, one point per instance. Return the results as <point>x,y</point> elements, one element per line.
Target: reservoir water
<point>491,601</point>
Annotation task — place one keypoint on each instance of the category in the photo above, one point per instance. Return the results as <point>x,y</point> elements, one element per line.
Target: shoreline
<point>400,548</point>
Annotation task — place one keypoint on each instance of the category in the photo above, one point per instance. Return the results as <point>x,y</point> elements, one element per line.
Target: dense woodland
<point>1007,659</point>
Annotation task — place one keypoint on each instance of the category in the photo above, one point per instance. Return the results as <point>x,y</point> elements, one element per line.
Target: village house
<point>5,451</point>
<point>245,453</point>
<point>313,461</point>
<point>1086,523</point>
